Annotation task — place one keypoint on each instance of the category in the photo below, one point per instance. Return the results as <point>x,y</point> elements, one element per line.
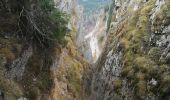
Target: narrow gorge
<point>84,50</point>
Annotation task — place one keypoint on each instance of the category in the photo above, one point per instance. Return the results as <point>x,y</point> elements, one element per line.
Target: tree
<point>41,23</point>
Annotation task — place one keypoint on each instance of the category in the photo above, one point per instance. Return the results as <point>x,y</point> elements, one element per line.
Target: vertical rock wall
<point>135,62</point>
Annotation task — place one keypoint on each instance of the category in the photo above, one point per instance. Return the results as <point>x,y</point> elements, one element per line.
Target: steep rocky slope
<point>33,71</point>
<point>135,61</point>
<point>69,67</point>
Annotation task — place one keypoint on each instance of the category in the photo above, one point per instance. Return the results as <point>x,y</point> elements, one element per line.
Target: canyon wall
<point>135,62</point>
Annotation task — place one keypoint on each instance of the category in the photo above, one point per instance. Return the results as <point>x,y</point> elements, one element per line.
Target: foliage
<point>155,53</point>
<point>8,54</point>
<point>141,66</point>
<point>166,79</point>
<point>141,58</point>
<point>141,88</point>
<point>46,5</point>
<point>117,84</point>
<point>60,20</point>
<point>74,75</point>
<point>44,26</point>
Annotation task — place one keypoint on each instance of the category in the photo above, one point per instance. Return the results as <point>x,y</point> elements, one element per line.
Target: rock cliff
<point>135,62</point>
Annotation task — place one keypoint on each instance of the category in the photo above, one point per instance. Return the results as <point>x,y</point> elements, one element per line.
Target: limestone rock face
<point>17,68</point>
<point>69,65</point>
<point>66,5</point>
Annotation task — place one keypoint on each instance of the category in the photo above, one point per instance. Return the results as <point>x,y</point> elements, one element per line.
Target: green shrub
<point>142,63</point>
<point>10,88</point>
<point>126,70</point>
<point>155,53</point>
<point>47,5</point>
<point>166,79</point>
<point>141,88</point>
<point>162,68</point>
<point>60,20</point>
<point>148,7</point>
<point>165,86</point>
<point>33,93</point>
<point>56,20</point>
<point>117,84</point>
<point>131,74</point>
<point>140,76</point>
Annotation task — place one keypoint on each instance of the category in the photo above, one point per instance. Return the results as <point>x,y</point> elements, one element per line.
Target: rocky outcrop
<point>17,68</point>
